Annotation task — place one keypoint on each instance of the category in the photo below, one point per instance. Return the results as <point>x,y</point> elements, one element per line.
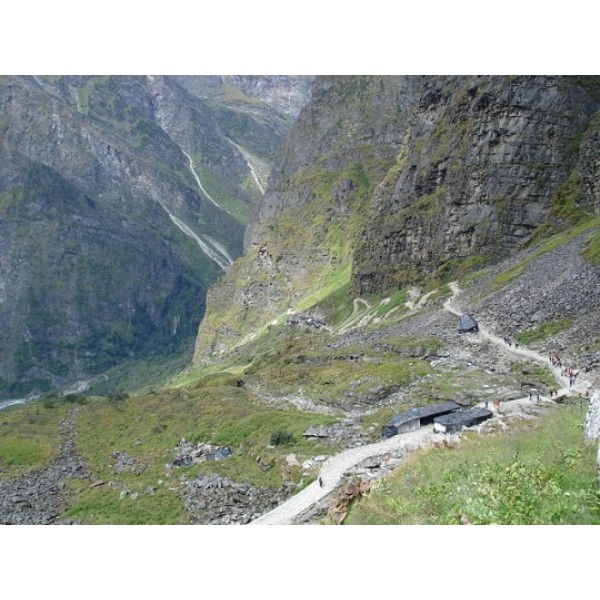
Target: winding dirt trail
<point>580,386</point>
<point>335,467</point>
<point>356,315</point>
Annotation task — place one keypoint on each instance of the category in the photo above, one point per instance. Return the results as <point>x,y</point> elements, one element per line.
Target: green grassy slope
<point>540,473</point>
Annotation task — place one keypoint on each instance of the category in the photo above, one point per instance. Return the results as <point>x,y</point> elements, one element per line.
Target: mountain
<point>121,200</point>
<point>391,181</point>
<point>488,165</point>
<point>395,205</point>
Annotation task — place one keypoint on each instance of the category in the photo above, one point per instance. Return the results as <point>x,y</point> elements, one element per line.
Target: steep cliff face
<point>487,162</point>
<point>256,110</point>
<point>345,141</point>
<point>284,93</point>
<point>121,200</point>
<point>398,179</point>
<point>589,167</point>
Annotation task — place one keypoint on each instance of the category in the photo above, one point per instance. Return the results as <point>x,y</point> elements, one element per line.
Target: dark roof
<point>466,323</point>
<point>421,412</point>
<point>465,418</point>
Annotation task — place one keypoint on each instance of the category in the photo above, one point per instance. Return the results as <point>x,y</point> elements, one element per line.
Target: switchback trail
<point>335,467</point>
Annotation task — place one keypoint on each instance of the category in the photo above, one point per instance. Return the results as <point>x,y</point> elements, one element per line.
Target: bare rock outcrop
<point>486,161</point>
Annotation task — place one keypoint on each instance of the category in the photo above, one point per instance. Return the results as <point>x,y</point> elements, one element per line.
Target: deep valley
<point>216,291</point>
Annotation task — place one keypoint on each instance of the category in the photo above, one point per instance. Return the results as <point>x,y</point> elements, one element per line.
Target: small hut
<point>467,324</point>
<point>316,432</point>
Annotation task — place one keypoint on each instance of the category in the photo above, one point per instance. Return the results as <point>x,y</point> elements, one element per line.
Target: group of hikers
<point>509,342</point>
<point>565,370</point>
<point>555,359</point>
<point>570,373</point>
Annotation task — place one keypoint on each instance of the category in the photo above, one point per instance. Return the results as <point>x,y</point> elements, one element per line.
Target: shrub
<point>281,437</point>
<point>76,399</point>
<point>117,396</point>
<point>49,401</point>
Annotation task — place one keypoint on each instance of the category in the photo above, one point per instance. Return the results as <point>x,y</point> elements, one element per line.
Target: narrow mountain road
<point>333,470</point>
<point>335,467</point>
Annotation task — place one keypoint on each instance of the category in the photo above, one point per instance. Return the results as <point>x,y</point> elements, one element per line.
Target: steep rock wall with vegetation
<point>345,141</point>
<point>100,217</point>
<point>488,163</point>
<point>400,179</point>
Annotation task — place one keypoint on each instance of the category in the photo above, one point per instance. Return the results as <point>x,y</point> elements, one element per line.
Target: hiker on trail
<point>320,482</point>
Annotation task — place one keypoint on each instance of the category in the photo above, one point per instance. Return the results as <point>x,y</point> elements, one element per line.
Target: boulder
<point>316,432</point>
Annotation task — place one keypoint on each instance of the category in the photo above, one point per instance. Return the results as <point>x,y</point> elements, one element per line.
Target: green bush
<point>76,399</point>
<point>524,494</point>
<point>281,437</point>
<point>537,473</point>
<point>49,401</point>
<point>117,396</point>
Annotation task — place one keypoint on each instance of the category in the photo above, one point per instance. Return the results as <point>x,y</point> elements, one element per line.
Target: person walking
<point>320,482</point>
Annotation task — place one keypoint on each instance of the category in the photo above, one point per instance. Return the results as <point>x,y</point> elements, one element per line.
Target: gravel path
<point>334,469</point>
<point>581,385</point>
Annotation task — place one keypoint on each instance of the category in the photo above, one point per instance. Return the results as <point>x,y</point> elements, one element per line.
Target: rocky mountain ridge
<point>121,200</point>
<point>292,365</point>
<point>390,181</point>
<point>314,207</point>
